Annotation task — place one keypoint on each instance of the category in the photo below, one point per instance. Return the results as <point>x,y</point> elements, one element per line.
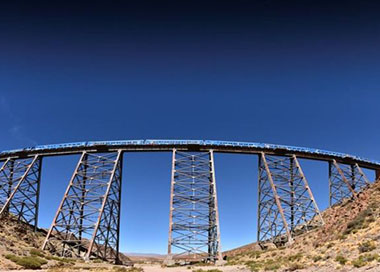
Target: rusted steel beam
<point>170,240</point>
<point>215,197</point>
<point>362,174</point>
<point>276,198</point>
<point>311,196</point>
<point>344,179</point>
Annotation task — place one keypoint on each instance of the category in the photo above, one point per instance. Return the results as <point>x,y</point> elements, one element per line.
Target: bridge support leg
<point>345,181</point>
<point>194,219</point>
<point>377,174</point>
<point>20,189</point>
<point>87,222</point>
<point>286,204</point>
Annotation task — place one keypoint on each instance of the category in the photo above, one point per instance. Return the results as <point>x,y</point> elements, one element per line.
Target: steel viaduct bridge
<point>87,221</point>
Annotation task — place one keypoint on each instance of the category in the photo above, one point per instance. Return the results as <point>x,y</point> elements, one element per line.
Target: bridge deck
<point>189,145</point>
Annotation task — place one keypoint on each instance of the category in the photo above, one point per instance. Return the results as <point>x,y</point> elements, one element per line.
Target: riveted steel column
<point>217,248</point>
<point>170,240</point>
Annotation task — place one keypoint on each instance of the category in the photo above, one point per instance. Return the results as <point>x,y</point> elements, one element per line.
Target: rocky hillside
<point>19,248</point>
<point>349,241</point>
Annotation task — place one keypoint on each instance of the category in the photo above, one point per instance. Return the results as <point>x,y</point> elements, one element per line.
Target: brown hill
<point>349,240</point>
<point>19,248</point>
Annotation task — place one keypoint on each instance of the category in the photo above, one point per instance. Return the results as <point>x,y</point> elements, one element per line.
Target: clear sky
<point>303,73</point>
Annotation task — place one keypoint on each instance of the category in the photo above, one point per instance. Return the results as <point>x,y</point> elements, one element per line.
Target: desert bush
<point>330,245</point>
<point>367,246</point>
<point>36,252</point>
<point>365,259</point>
<point>358,263</point>
<point>31,262</point>
<point>369,257</point>
<point>253,265</point>
<point>317,258</point>
<point>295,257</point>
<point>360,221</point>
<point>11,257</point>
<point>340,259</point>
<point>272,264</point>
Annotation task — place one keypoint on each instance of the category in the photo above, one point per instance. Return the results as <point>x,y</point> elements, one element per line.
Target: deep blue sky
<point>301,73</point>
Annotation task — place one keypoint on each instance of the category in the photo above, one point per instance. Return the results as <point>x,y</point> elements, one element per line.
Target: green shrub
<point>29,262</point>
<point>36,252</point>
<point>11,257</point>
<point>367,246</point>
<point>271,266</point>
<point>330,245</point>
<point>369,257</point>
<point>364,259</point>
<point>317,258</point>
<point>358,263</point>
<point>360,221</point>
<point>295,257</point>
<point>253,265</point>
<point>340,259</point>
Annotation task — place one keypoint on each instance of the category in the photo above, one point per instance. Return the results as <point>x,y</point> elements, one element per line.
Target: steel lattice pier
<point>19,188</point>
<point>87,222</point>
<point>286,204</point>
<point>345,181</point>
<point>194,219</point>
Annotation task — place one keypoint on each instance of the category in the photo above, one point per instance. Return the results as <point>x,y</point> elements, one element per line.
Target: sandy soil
<point>158,268</point>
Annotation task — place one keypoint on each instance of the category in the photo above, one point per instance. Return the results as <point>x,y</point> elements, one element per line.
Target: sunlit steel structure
<point>194,216</point>
<point>87,221</point>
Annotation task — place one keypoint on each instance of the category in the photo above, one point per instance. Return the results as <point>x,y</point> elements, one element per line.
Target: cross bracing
<point>19,188</point>
<point>286,203</point>
<point>194,222</point>
<point>345,181</point>
<point>87,221</point>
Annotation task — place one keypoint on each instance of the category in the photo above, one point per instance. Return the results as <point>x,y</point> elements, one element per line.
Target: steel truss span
<point>87,221</point>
